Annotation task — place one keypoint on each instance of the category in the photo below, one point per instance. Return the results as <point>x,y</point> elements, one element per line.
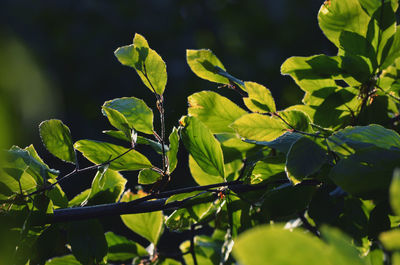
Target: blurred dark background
<point>57,61</point>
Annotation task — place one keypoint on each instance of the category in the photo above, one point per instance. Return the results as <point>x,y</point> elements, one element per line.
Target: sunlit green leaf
<point>148,176</point>
<point>138,115</point>
<point>259,127</point>
<point>64,260</point>
<point>201,177</point>
<point>270,168</point>
<point>334,17</point>
<point>102,152</point>
<point>173,150</point>
<point>118,120</point>
<point>148,225</point>
<point>214,111</point>
<point>202,146</point>
<point>57,139</point>
<point>259,98</point>
<point>203,63</point>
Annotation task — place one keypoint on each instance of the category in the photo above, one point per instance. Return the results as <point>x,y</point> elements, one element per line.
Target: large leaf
<point>334,17</point>
<point>201,177</point>
<point>87,241</point>
<point>259,127</point>
<point>148,225</point>
<point>149,65</point>
<point>214,110</point>
<point>263,246</point>
<point>203,63</point>
<point>259,98</point>
<point>101,152</point>
<point>121,249</point>
<point>394,191</point>
<point>57,139</point>
<point>202,146</point>
<point>138,115</point>
<point>367,173</point>
<point>304,158</point>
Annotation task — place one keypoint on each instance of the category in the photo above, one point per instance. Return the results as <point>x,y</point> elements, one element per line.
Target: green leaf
<point>87,241</point>
<point>203,63</point>
<point>259,98</point>
<point>138,115</point>
<point>121,249</point>
<point>304,158</point>
<point>173,150</point>
<point>148,176</point>
<point>148,225</point>
<point>342,245</point>
<point>282,143</point>
<point>57,139</point>
<point>64,260</point>
<point>391,239</point>
<point>79,199</point>
<point>207,250</point>
<point>259,127</point>
<point>118,135</point>
<point>263,246</point>
<point>214,111</point>
<point>312,73</point>
<point>101,152</point>
<point>148,64</point>
<point>394,50</point>
<point>201,177</point>
<point>202,145</point>
<point>334,17</point>
<point>367,173</point>
<point>297,120</point>
<point>118,120</point>
<point>107,187</point>
<point>140,41</point>
<point>268,169</point>
<point>394,191</point>
<point>153,144</point>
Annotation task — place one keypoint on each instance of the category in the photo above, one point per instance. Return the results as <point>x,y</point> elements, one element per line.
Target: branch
<point>147,204</point>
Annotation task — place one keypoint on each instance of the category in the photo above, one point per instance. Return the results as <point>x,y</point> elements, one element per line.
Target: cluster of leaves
<point>319,180</point>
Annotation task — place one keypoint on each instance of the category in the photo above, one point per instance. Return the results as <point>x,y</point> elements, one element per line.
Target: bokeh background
<point>57,61</point>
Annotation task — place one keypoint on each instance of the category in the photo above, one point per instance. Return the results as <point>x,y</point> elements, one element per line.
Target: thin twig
<point>192,251</point>
<point>308,226</point>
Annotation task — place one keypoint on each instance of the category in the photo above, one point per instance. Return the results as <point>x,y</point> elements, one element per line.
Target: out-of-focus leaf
<point>391,239</point>
<point>101,152</point>
<point>394,191</point>
<point>214,110</point>
<point>56,137</point>
<point>64,260</point>
<point>208,251</point>
<point>148,225</point>
<point>202,146</point>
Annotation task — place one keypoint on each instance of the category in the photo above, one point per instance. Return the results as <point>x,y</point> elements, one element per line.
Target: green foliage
<point>318,181</point>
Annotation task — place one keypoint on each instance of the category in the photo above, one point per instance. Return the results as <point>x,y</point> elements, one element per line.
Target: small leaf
<point>57,139</point>
<point>138,115</point>
<point>87,241</point>
<point>305,158</point>
<point>270,168</point>
<point>202,145</point>
<point>394,192</point>
<point>214,111</point>
<point>121,249</point>
<point>148,225</point>
<point>118,120</point>
<point>148,176</point>
<point>282,143</point>
<point>259,98</point>
<point>173,150</point>
<point>64,260</point>
<point>101,152</point>
<point>148,64</point>
<point>203,63</point>
<point>259,127</point>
